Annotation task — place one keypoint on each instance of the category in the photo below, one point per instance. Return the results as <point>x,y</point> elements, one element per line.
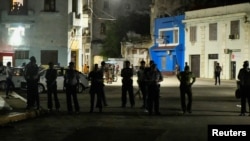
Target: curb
<point>15,117</point>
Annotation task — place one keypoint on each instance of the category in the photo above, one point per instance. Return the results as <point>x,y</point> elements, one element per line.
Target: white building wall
<point>203,46</point>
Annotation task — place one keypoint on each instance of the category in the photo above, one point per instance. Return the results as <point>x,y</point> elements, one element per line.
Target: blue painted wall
<point>158,54</point>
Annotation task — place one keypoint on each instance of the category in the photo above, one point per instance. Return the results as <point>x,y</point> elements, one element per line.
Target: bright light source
<point>16,35</point>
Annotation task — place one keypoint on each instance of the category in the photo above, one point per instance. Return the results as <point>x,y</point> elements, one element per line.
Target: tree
<point>117,32</point>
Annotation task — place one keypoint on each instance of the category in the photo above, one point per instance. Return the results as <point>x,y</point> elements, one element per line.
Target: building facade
<point>106,11</point>
<point>169,45</point>
<point>50,30</point>
<point>217,35</point>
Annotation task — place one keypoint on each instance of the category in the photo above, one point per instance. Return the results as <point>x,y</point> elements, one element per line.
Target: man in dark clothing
<point>142,83</point>
<point>244,77</point>
<point>186,88</point>
<point>71,81</point>
<point>153,78</point>
<point>9,82</point>
<point>51,75</point>
<point>31,75</point>
<point>96,78</point>
<point>103,96</point>
<point>127,85</point>
<point>217,72</point>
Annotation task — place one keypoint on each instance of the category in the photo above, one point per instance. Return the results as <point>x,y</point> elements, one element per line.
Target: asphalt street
<point>212,105</point>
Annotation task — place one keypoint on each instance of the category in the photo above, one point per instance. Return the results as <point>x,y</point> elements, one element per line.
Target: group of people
<point>149,78</point>
<point>32,76</point>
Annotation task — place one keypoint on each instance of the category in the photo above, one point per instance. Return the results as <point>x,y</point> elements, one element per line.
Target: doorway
<point>233,69</point>
<point>195,65</point>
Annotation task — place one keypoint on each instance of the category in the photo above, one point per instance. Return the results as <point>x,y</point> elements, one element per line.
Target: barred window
<point>21,54</point>
<point>213,32</point>
<point>193,33</point>
<point>49,5</point>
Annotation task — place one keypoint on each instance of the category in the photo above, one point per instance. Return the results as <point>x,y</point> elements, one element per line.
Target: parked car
<point>17,78</point>
<point>42,87</point>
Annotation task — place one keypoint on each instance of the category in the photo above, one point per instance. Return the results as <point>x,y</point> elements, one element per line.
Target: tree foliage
<point>117,32</point>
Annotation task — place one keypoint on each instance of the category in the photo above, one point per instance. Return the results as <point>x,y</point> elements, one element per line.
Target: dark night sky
<point>198,4</point>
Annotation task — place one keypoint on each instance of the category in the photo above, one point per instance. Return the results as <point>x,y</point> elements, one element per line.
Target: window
<point>106,5</point>
<point>170,36</point>
<point>49,56</point>
<point>235,29</point>
<point>193,33</point>
<point>74,6</point>
<point>18,7</point>
<point>49,5</point>
<point>103,28</point>
<point>213,32</point>
<point>21,54</point>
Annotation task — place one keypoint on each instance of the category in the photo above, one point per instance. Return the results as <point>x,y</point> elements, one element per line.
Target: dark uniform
<point>153,78</point>
<point>96,78</point>
<point>142,83</point>
<point>31,75</point>
<point>71,80</point>
<point>186,88</point>
<point>103,95</point>
<point>51,75</point>
<point>127,85</point>
<point>244,77</point>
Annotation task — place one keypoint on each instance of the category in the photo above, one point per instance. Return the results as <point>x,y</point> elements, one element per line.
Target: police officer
<point>186,79</point>
<point>71,81</point>
<point>127,85</point>
<point>142,84</point>
<point>96,87</point>
<point>31,75</point>
<point>51,75</point>
<point>244,77</point>
<point>153,79</point>
<point>103,96</point>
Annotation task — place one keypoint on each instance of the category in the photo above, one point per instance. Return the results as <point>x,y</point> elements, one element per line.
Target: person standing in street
<point>217,72</point>
<point>9,82</point>
<point>103,95</point>
<point>153,79</point>
<point>96,78</point>
<point>142,84</point>
<point>244,78</point>
<point>51,76</point>
<point>127,85</point>
<point>31,74</point>
<point>186,79</point>
<point>71,81</point>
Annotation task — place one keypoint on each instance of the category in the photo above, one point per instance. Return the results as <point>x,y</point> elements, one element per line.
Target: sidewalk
<point>13,109</point>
